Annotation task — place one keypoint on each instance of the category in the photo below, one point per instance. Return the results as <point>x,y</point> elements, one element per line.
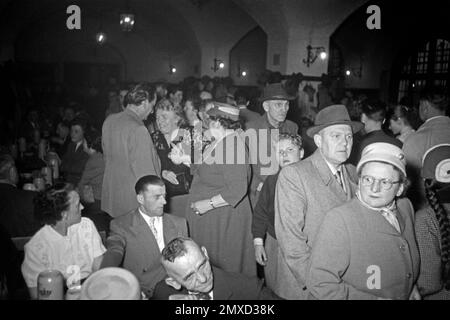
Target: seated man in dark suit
<point>191,277</point>
<point>16,206</point>
<point>138,237</point>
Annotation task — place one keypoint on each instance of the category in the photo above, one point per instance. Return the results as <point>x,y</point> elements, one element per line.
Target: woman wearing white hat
<point>433,226</point>
<point>366,248</point>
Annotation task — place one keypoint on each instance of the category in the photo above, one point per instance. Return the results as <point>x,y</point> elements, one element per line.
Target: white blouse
<point>48,249</point>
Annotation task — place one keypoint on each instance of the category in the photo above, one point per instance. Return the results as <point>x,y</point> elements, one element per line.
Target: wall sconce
<point>218,64</point>
<point>100,37</point>
<point>241,73</point>
<point>127,21</point>
<point>313,53</point>
<point>172,69</point>
<point>357,72</point>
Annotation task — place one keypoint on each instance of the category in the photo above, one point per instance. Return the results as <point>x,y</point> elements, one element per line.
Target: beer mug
<point>14,151</point>
<point>42,149</point>
<point>50,285</point>
<point>53,161</point>
<point>73,293</point>
<point>47,173</point>
<point>39,183</point>
<point>22,145</point>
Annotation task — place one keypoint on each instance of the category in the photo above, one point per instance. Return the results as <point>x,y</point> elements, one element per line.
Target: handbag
<point>184,183</point>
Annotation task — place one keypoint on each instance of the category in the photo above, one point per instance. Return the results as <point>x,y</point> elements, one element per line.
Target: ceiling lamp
<point>127,21</point>
<point>100,37</point>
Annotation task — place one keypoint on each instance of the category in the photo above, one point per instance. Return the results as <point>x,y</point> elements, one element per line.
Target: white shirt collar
<point>148,218</point>
<point>332,168</point>
<point>211,294</point>
<point>157,222</point>
<point>78,145</point>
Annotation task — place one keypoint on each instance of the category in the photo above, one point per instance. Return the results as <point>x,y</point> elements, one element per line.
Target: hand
<point>183,297</point>
<point>415,295</point>
<point>170,176</point>
<point>201,207</point>
<point>260,254</point>
<point>178,156</point>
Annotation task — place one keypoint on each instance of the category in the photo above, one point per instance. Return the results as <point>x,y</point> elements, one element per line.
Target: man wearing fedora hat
<point>307,190</point>
<point>275,101</point>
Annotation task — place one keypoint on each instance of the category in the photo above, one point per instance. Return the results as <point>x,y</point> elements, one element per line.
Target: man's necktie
<point>153,228</point>
<point>340,179</point>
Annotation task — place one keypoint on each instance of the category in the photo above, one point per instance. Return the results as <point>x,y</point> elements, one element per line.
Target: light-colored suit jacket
<point>305,192</point>
<point>433,132</point>
<point>131,244</point>
<point>129,154</point>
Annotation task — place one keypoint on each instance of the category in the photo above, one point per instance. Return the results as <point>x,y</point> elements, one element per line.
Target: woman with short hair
<point>172,129</point>
<point>366,248</point>
<point>402,122</point>
<point>66,243</point>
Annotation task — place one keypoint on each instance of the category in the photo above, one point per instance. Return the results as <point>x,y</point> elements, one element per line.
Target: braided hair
<point>444,228</point>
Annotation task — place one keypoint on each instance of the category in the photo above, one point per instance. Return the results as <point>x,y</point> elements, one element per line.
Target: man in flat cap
<point>307,190</point>
<point>275,101</point>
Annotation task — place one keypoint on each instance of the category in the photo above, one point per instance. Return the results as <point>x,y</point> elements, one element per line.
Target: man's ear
<point>140,198</point>
<point>302,153</point>
<point>266,106</point>
<point>171,282</point>
<point>205,252</point>
<point>318,140</point>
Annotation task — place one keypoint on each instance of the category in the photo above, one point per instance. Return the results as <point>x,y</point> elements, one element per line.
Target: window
<point>427,66</point>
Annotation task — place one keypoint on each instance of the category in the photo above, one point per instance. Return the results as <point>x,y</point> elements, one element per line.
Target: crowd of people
<point>351,205</point>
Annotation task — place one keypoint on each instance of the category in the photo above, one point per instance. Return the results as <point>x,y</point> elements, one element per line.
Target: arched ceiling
<point>180,25</point>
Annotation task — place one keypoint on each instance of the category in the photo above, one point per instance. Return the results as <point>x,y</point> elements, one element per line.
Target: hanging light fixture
<point>127,19</point>
<point>100,37</point>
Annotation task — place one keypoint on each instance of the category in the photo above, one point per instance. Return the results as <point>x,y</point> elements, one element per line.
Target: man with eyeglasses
<point>307,190</point>
<point>275,102</point>
<point>366,248</point>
